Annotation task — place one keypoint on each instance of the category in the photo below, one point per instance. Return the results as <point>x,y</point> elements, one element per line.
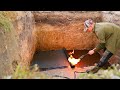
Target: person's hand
<point>91,52</point>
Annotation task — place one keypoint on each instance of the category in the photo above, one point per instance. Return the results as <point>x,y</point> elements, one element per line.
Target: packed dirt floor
<point>55,63</point>
<point>66,73</point>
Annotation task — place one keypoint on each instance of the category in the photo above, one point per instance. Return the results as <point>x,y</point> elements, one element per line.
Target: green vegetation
<point>5,22</point>
<point>112,72</point>
<point>26,73</point>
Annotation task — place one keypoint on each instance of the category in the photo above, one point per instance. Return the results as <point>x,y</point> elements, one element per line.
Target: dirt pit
<point>55,62</point>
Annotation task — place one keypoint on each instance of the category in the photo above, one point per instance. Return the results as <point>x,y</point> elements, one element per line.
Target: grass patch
<point>5,22</point>
<point>110,73</point>
<point>26,73</point>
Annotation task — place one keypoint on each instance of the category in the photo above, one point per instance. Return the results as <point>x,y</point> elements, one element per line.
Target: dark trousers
<point>104,59</point>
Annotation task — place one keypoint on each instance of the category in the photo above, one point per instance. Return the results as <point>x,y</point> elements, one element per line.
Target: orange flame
<point>72,60</point>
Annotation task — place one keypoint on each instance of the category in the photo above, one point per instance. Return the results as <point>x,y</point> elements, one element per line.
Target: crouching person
<point>108,35</point>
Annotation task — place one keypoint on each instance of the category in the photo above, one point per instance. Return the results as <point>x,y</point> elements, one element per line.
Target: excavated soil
<point>56,30</point>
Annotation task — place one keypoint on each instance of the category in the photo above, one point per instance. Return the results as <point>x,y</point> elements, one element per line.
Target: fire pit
<point>57,63</point>
<point>55,59</point>
<point>85,60</point>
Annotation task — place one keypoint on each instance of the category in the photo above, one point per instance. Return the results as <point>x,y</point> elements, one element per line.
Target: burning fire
<point>72,60</point>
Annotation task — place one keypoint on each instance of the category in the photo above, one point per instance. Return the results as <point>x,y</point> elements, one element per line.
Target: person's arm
<point>101,36</point>
<point>99,47</point>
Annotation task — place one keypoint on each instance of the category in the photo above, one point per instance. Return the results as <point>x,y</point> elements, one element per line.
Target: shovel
<point>81,57</point>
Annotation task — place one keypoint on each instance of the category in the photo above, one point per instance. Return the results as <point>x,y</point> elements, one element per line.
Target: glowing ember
<point>72,60</point>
